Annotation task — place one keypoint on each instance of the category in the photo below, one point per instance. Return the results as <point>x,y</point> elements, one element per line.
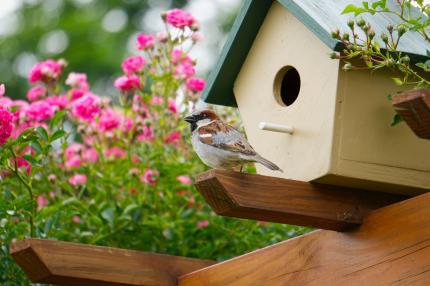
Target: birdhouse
<point>303,112</point>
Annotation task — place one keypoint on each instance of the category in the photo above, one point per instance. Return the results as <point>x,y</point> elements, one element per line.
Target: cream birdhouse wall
<point>342,133</point>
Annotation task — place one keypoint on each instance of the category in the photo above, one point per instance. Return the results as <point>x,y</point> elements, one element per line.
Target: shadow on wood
<point>287,201</point>
<point>392,247</point>
<point>64,263</point>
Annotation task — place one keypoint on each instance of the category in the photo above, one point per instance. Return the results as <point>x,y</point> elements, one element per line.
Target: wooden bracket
<point>414,108</point>
<point>391,247</point>
<point>64,263</point>
<point>287,201</point>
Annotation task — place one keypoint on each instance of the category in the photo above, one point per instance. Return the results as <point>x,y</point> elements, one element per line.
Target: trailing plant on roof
<point>381,50</point>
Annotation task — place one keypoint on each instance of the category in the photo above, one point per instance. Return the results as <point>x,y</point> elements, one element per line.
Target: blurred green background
<point>95,35</point>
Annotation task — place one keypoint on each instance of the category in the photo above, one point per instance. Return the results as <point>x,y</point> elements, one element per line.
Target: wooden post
<point>64,263</point>
<point>288,201</point>
<point>392,247</point>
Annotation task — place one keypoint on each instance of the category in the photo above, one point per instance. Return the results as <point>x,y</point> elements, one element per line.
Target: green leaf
<point>397,81</point>
<point>425,66</point>
<point>365,4</point>
<point>69,201</point>
<point>130,208</point>
<point>57,135</point>
<point>36,146</point>
<point>56,119</point>
<point>26,135</point>
<point>376,4</point>
<point>351,8</point>
<point>396,120</point>
<point>108,215</point>
<point>42,133</point>
<point>30,159</point>
<point>382,4</point>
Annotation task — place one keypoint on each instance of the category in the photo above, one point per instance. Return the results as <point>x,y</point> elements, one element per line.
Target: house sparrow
<point>219,145</point>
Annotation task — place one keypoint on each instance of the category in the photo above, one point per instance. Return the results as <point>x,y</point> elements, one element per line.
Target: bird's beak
<point>190,118</point>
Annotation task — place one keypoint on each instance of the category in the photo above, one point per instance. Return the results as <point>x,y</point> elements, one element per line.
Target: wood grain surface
<point>391,247</point>
<point>64,263</point>
<point>414,108</point>
<point>287,201</point>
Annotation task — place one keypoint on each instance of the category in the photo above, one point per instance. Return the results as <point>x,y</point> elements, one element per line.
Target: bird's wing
<point>225,137</point>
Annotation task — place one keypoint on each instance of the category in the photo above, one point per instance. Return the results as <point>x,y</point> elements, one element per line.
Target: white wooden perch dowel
<point>276,127</point>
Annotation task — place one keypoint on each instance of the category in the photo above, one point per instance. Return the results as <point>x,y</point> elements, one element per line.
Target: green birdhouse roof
<point>320,17</point>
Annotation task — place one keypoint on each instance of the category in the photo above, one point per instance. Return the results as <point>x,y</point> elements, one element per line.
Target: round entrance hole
<point>286,85</point>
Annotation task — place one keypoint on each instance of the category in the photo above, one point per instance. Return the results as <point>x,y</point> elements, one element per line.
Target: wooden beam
<point>64,263</point>
<point>392,247</point>
<point>287,201</point>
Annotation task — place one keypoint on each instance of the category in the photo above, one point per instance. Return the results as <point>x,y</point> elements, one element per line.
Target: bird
<point>220,145</point>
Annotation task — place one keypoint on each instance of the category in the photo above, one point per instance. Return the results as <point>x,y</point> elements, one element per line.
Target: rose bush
<point>81,167</point>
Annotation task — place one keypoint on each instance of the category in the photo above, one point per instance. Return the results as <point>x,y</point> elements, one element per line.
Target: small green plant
<point>378,51</point>
<point>381,50</point>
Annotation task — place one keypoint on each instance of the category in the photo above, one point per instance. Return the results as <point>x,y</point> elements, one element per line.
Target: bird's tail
<point>268,164</point>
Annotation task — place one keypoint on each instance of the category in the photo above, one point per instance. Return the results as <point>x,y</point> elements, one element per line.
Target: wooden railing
<point>385,240</point>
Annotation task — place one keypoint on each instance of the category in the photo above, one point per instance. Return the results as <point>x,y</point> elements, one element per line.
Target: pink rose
<point>52,178</point>
<point>185,70</point>
<point>86,107</point>
<point>195,84</point>
<point>162,36</point>
<point>202,223</point>
<point>145,41</point>
<point>140,108</point>
<point>90,155</point>
<point>46,71</point>
<point>173,137</point>
<point>73,149</point>
<point>147,134</point>
<point>39,111</point>
<point>2,90</point>
<point>197,37</point>
<point>6,125</point>
<point>179,56</point>
<point>127,83</point>
<point>133,65</point>
<point>149,177</point>
<point>78,80</point>
<point>60,102</point>
<point>73,155</point>
<point>109,120</point>
<point>172,106</point>
<point>78,180</point>
<point>76,93</point>
<point>184,180</point>
<point>36,93</point>
<point>76,219</point>
<point>42,202</point>
<point>134,171</point>
<point>116,153</point>
<point>77,154</point>
<point>179,18</point>
<point>156,100</point>
<point>128,124</point>
<point>5,102</point>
